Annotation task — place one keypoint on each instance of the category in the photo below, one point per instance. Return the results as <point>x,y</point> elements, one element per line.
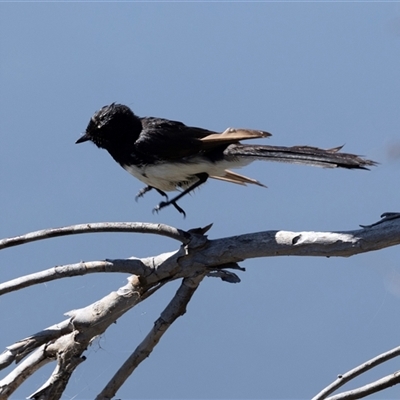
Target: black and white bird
<point>168,155</point>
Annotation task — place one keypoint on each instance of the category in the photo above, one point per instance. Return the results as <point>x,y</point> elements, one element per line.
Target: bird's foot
<point>168,203</point>
<point>146,189</point>
<point>142,192</point>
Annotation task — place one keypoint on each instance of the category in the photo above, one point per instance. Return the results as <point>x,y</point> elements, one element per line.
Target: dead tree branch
<point>196,258</point>
<point>348,376</point>
<point>370,388</point>
<point>20,349</point>
<point>123,227</point>
<point>175,309</point>
<point>130,266</point>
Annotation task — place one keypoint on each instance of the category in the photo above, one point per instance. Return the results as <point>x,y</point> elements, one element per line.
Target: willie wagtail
<point>168,155</point>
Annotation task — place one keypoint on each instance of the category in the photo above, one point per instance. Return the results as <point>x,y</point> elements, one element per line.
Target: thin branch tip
<point>97,227</point>
<point>201,231</point>
<point>385,217</point>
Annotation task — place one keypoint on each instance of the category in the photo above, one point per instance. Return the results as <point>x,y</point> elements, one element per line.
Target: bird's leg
<point>162,193</point>
<point>202,177</point>
<point>147,189</point>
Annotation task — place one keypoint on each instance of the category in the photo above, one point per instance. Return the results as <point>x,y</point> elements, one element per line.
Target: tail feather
<point>314,156</point>
<point>234,177</point>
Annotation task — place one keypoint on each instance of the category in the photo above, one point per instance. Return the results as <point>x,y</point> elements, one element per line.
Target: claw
<point>146,189</point>
<point>142,192</point>
<point>163,204</point>
<point>180,209</point>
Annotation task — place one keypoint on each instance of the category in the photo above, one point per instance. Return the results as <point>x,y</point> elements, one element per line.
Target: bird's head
<point>112,125</point>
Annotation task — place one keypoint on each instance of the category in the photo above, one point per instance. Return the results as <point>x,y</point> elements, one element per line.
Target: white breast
<point>168,176</point>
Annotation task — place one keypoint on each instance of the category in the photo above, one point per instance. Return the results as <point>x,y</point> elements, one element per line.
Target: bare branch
<point>348,376</point>
<point>175,309</point>
<point>385,233</point>
<point>88,323</point>
<point>285,243</point>
<point>137,227</point>
<point>29,366</point>
<point>68,356</point>
<point>130,266</point>
<point>196,258</point>
<point>20,349</point>
<point>215,253</point>
<point>373,387</point>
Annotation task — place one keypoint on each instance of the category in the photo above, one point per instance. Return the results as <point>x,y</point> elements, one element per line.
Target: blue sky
<point>322,74</point>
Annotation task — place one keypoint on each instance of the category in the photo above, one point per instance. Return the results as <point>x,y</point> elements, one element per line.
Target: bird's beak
<point>82,139</point>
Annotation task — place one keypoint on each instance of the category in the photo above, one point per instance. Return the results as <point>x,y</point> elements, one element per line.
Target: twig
<point>353,373</point>
<point>137,227</point>
<point>386,216</point>
<point>130,266</point>
<point>28,367</point>
<point>20,349</point>
<point>370,388</point>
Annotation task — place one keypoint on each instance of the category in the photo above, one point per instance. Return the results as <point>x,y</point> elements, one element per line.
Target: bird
<point>168,155</point>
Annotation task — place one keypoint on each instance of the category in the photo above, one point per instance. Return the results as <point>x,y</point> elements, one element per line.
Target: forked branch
<point>196,258</point>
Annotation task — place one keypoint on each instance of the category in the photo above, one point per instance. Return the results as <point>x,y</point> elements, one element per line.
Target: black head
<point>113,125</point>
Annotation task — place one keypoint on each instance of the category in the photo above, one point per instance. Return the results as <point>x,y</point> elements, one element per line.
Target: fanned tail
<point>307,155</point>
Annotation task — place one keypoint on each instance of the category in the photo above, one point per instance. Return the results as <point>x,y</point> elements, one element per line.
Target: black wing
<point>165,139</point>
<point>171,140</point>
